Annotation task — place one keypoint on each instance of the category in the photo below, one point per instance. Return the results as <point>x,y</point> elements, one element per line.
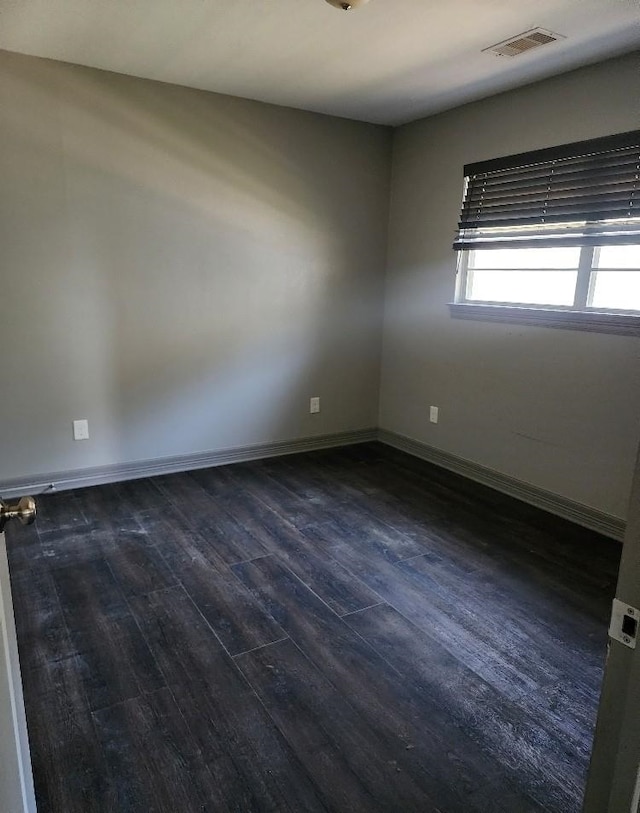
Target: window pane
<point>525,258</point>
<point>525,287</point>
<point>618,257</point>
<point>617,289</point>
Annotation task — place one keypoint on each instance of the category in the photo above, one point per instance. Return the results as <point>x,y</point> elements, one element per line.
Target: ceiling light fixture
<point>347,6</point>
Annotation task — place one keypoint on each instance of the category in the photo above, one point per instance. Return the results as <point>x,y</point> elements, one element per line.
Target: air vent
<point>524,42</point>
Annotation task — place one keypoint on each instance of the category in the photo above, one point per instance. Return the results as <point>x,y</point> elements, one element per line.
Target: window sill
<point>590,321</point>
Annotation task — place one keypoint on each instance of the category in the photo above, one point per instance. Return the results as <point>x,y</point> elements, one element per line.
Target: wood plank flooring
<point>349,630</point>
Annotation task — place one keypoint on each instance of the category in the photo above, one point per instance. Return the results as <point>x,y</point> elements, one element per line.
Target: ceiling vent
<point>524,42</point>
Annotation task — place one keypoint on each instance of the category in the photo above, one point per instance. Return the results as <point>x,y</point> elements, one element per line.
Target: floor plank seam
<point>248,561</point>
<point>297,578</point>
<point>326,807</point>
<point>262,646</point>
<point>362,609</point>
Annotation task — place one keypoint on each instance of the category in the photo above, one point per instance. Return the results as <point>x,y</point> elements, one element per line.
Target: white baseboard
<point>99,475</point>
<point>591,518</point>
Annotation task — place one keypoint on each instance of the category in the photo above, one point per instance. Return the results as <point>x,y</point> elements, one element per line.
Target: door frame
<point>16,786</point>
<point>613,785</point>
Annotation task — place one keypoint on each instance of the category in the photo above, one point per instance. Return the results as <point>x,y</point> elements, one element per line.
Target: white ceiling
<point>390,62</point>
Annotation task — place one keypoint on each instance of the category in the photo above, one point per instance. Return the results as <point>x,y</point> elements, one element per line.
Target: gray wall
<point>555,408</point>
<point>183,269</point>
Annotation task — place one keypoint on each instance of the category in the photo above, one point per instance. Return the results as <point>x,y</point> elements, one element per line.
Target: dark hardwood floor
<point>351,630</point>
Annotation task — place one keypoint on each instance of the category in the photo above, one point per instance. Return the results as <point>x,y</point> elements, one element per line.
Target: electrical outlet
<point>81,430</point>
<point>433,414</point>
<point>314,405</point>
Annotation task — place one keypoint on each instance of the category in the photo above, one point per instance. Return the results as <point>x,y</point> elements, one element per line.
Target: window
<point>554,237</point>
<point>604,278</point>
<point>615,279</point>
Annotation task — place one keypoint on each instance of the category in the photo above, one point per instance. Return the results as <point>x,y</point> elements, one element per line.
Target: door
<point>614,775</point>
<point>16,781</point>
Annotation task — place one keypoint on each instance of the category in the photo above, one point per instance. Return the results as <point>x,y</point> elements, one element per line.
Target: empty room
<point>320,330</point>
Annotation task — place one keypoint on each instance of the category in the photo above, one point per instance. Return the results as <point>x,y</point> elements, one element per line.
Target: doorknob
<point>24,510</point>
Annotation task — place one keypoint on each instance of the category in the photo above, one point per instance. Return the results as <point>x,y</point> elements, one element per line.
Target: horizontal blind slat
<point>599,183</point>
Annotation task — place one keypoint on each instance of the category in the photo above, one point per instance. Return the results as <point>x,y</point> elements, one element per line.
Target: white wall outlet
<point>433,414</point>
<point>81,430</point>
<point>314,405</point>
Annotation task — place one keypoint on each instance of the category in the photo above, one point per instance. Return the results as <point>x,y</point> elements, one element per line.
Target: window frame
<point>582,194</point>
<point>581,315</point>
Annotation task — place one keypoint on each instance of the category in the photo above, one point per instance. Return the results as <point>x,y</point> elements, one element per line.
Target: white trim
<point>553,503</point>
<point>99,475</point>
<point>17,739</point>
<point>590,321</point>
<point>635,802</point>
<point>561,506</point>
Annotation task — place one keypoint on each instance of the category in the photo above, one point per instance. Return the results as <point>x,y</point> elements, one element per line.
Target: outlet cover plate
<point>81,430</point>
